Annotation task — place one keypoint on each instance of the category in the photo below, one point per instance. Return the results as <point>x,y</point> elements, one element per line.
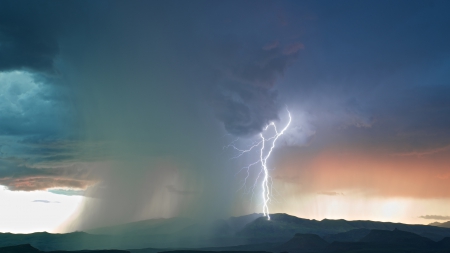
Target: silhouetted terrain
<point>27,248</point>
<point>246,233</point>
<point>46,241</point>
<point>382,241</point>
<point>349,236</point>
<point>390,241</point>
<point>303,243</point>
<point>376,241</point>
<point>204,251</point>
<point>24,248</point>
<point>160,233</point>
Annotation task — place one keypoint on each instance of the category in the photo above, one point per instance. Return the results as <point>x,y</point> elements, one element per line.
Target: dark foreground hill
<point>27,248</point>
<point>303,243</point>
<point>48,242</point>
<point>390,241</point>
<point>376,241</point>
<point>349,236</point>
<point>24,248</point>
<point>397,237</point>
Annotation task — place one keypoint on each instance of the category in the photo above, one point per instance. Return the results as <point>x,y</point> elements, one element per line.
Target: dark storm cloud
<point>38,136</point>
<point>39,125</point>
<point>27,37</point>
<point>383,79</point>
<point>25,178</point>
<point>33,106</point>
<point>246,100</point>
<point>36,130</point>
<point>30,32</point>
<point>265,65</point>
<point>245,110</point>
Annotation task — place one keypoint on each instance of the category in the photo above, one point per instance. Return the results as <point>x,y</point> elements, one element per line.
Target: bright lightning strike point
<point>267,146</point>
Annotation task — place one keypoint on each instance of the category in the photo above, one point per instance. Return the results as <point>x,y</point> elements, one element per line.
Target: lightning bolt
<point>267,145</point>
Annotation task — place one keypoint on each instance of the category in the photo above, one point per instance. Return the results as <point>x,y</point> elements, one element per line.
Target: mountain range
<point>249,233</point>
<point>376,241</point>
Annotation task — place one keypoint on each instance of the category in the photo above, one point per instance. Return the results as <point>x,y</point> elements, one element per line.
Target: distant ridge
<point>284,226</point>
<point>441,224</point>
<point>239,222</point>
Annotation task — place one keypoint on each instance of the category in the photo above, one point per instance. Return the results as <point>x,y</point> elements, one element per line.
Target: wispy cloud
<point>331,193</point>
<point>424,152</point>
<point>435,217</point>
<point>25,178</point>
<point>45,201</point>
<point>67,192</point>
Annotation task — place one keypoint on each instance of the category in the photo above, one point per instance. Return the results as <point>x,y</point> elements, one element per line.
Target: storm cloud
<point>24,178</point>
<point>128,103</point>
<point>30,33</point>
<point>246,98</point>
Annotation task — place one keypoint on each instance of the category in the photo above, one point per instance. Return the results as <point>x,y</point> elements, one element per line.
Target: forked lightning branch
<point>266,145</point>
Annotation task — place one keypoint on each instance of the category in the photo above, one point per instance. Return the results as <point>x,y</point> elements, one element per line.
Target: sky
<point>118,111</point>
